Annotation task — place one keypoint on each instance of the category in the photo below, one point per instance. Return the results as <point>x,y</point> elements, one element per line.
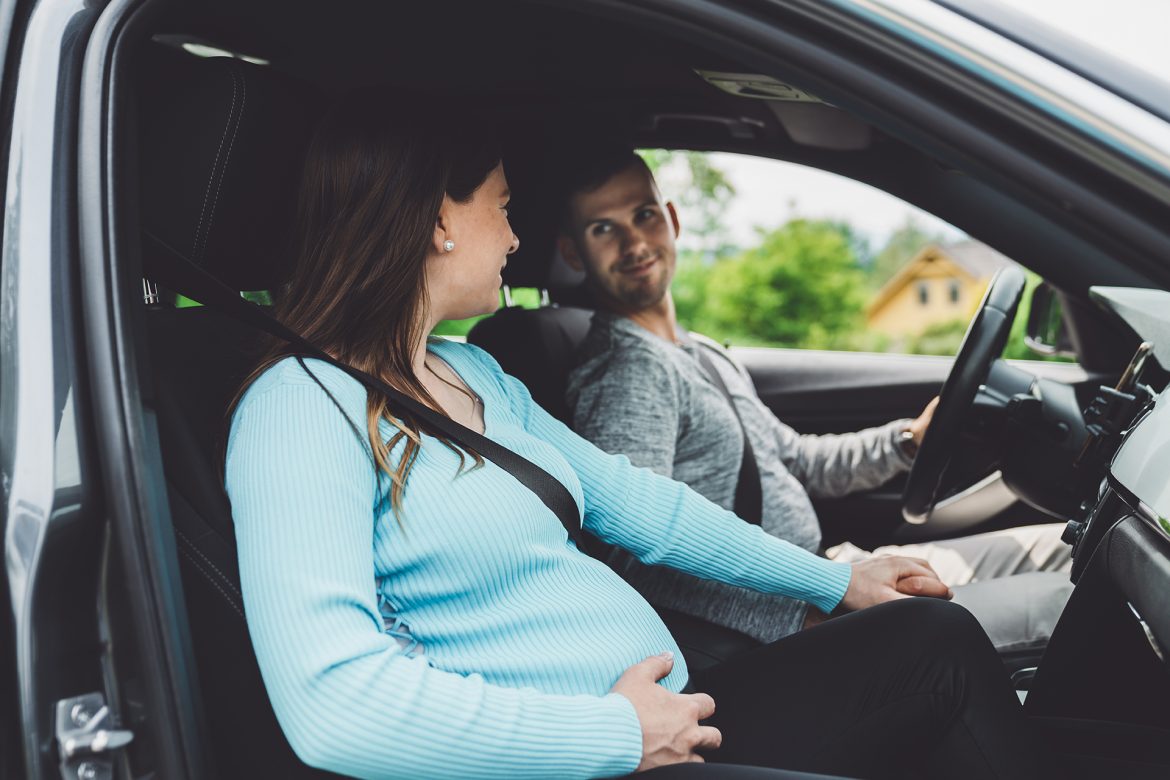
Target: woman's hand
<point>888,577</point>
<point>670,721</point>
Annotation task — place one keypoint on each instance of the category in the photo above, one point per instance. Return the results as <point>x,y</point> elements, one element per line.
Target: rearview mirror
<point>1045,333</point>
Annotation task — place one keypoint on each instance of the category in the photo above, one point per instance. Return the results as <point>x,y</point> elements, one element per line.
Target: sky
<point>770,192</point>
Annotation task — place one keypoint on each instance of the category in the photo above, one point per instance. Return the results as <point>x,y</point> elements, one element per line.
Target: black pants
<point>903,690</point>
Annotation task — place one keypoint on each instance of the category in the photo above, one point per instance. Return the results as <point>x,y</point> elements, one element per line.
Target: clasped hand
<point>888,577</point>
<point>671,733</point>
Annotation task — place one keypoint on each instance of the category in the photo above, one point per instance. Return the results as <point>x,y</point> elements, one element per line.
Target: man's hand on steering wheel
<point>888,577</point>
<point>918,427</point>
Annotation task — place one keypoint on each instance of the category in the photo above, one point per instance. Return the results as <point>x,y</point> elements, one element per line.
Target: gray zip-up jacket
<point>635,393</point>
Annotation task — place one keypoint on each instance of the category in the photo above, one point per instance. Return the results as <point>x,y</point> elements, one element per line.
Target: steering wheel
<point>983,343</point>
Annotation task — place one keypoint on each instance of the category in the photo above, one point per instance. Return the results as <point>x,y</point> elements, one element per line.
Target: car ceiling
<point>548,68</point>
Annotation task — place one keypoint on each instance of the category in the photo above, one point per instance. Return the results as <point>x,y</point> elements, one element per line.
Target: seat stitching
<point>211,177</point>
<point>227,580</point>
<point>227,157</point>
<point>211,579</point>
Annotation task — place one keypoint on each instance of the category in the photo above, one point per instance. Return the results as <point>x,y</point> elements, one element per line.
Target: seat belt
<point>749,500</point>
<point>201,286</point>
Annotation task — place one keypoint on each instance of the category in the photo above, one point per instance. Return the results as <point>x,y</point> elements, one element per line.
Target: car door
<point>88,690</point>
<point>11,739</point>
<point>53,534</point>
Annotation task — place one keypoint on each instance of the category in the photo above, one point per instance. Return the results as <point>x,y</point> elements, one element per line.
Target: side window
<point>524,297</point>
<point>774,254</point>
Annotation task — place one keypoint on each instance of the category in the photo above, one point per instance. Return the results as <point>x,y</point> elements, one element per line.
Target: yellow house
<point>939,285</point>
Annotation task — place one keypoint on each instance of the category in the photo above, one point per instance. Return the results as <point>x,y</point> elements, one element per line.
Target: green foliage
<point>901,247</point>
<point>1016,348</point>
<point>941,338</point>
<point>524,297</point>
<point>801,287</point>
<point>261,297</point>
<point>704,192</point>
<point>689,288</point>
<point>657,158</point>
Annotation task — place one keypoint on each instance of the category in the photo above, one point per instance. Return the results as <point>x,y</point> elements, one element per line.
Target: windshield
<point>1120,44</point>
<point>1134,31</point>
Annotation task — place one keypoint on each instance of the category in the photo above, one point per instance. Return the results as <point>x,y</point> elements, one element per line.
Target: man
<point>644,387</point>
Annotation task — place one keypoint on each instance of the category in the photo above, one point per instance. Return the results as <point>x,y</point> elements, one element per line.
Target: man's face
<point>622,237</point>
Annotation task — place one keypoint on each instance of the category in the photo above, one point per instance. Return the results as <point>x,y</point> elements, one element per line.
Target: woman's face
<point>465,281</point>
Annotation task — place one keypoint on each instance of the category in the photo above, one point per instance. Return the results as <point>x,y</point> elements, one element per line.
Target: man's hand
<point>670,721</point>
<point>918,427</point>
<point>888,577</point>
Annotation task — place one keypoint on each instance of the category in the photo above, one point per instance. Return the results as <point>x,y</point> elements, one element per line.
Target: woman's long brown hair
<point>373,181</point>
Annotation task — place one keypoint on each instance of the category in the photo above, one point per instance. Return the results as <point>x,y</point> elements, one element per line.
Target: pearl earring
<point>448,245</point>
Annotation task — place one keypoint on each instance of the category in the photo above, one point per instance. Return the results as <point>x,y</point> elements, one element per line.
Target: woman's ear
<point>443,228</point>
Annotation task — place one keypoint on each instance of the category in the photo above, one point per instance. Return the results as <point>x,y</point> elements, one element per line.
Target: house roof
<point>976,259</point>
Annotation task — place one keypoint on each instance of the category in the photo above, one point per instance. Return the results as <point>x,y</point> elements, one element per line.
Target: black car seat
<point>221,143</point>
<point>537,347</point>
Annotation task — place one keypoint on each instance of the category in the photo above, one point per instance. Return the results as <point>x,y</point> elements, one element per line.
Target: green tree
<point>901,247</point>
<point>689,288</point>
<point>524,297</point>
<point>1016,348</point>
<point>704,193</point>
<point>801,287</point>
<point>942,338</point>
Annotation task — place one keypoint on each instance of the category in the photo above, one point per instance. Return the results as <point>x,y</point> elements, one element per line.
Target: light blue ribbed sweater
<point>472,639</point>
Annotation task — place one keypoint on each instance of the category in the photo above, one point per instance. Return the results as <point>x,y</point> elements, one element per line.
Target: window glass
<point>775,254</point>
<point>524,297</point>
<point>262,297</point>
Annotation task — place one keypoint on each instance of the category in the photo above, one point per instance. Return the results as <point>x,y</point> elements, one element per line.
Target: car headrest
<point>535,210</point>
<point>222,145</point>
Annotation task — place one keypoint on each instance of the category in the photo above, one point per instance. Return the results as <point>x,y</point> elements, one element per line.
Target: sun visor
<point>822,126</point>
<point>808,120</point>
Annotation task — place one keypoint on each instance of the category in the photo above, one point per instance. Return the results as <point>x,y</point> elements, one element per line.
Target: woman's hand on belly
<point>671,733</point>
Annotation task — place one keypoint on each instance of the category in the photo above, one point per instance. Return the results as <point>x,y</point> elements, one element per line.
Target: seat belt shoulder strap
<point>198,284</point>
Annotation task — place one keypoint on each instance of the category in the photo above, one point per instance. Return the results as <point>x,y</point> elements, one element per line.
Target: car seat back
<point>537,346</point>
<point>221,147</point>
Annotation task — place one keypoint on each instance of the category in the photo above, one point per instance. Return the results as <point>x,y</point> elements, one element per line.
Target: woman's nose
<point>515,244</point>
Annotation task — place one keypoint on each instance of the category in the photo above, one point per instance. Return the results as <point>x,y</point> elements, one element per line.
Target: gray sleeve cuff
<point>898,452</point>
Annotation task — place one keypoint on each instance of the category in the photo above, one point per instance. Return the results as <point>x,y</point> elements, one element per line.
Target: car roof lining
<point>545,66</point>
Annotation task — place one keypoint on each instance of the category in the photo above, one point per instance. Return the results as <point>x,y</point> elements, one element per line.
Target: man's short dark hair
<point>589,166</point>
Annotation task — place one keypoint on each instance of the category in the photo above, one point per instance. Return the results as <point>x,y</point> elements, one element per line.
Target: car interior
<point>213,104</point>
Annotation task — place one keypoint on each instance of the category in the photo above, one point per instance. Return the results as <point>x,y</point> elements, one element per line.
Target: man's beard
<point>643,296</point>
<point>631,298</point>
